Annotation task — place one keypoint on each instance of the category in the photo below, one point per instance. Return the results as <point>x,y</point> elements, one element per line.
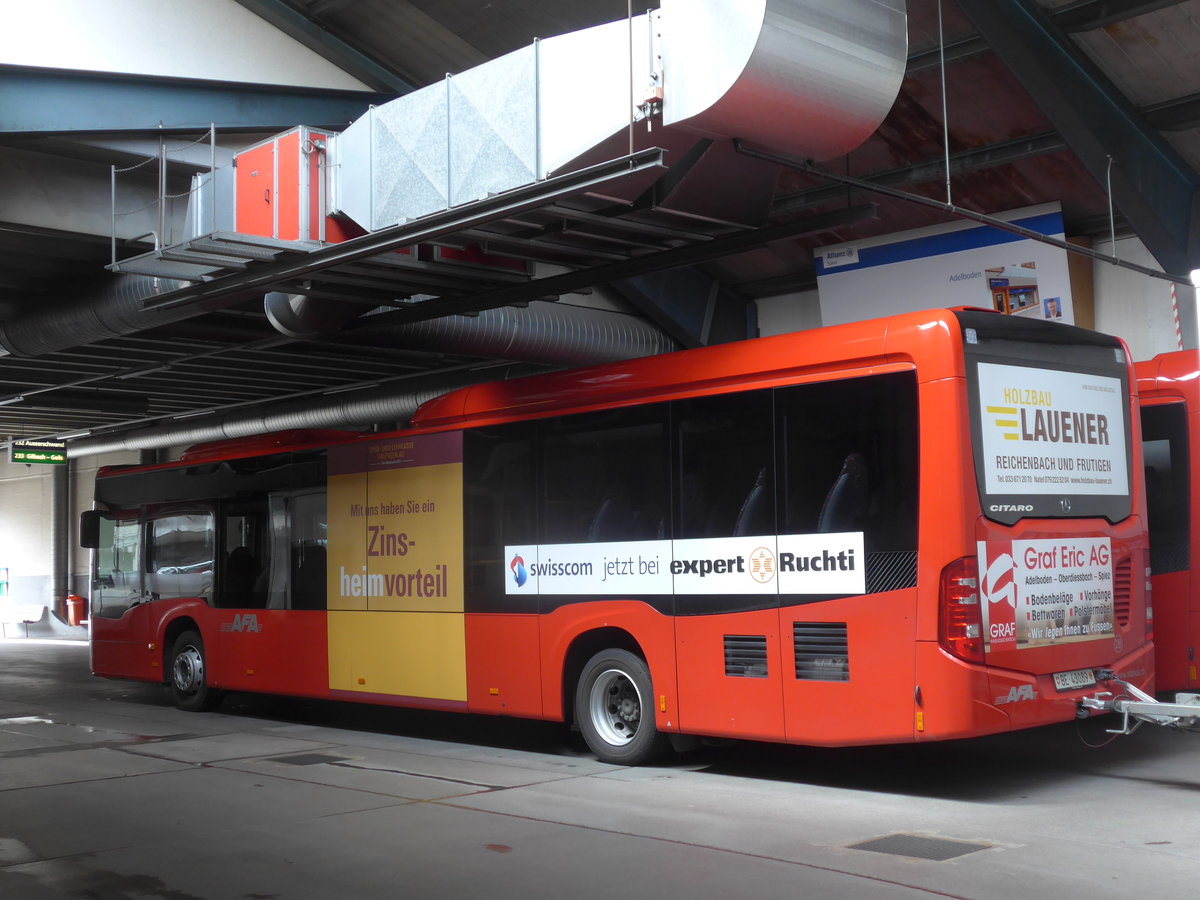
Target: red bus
<point>923,527</point>
<point>1169,396</point>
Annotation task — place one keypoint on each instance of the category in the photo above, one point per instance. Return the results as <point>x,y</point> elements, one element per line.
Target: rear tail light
<point>1149,608</point>
<point>960,619</point>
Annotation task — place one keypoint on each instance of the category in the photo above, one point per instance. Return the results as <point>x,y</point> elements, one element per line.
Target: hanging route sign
<point>45,453</point>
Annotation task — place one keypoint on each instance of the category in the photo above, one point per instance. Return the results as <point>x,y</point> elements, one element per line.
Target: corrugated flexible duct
<point>558,334</point>
<point>115,309</point>
<point>540,335</point>
<point>386,404</point>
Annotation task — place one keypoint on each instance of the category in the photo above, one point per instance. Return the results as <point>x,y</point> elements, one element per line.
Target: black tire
<point>186,676</point>
<point>614,708</point>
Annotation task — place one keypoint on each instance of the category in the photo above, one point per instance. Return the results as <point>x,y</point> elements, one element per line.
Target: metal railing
<point>162,199</point>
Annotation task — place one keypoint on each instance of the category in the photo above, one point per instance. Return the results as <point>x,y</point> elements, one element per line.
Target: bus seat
<point>846,501</point>
<point>308,579</point>
<point>614,520</point>
<point>755,515</point>
<point>240,571</point>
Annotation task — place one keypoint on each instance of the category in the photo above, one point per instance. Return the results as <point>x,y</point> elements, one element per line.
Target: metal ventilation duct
<point>811,76</point>
<point>807,77</point>
<point>386,404</point>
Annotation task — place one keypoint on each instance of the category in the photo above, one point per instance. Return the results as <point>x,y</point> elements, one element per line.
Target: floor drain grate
<point>918,847</point>
<point>307,759</point>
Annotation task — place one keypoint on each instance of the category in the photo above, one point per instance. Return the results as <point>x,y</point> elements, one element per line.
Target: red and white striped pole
<point>1175,314</point>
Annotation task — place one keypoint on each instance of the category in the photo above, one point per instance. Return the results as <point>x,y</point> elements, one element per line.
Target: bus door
<point>119,616</point>
<point>270,599</point>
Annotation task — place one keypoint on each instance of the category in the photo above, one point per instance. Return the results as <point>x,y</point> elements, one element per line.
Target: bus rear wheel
<point>614,709</point>
<point>189,685</point>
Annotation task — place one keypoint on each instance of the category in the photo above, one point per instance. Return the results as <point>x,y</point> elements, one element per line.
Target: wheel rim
<point>616,707</point>
<point>188,671</point>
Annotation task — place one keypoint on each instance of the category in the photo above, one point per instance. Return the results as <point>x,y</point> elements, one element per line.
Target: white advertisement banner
<point>1037,593</point>
<point>788,564</point>
<point>955,264</point>
<point>1051,432</point>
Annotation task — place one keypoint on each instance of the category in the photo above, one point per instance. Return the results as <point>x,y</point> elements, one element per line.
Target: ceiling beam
<point>1085,15</point>
<point>1152,185</point>
<point>57,101</point>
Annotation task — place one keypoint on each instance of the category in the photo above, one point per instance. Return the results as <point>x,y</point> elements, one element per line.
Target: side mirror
<point>89,529</point>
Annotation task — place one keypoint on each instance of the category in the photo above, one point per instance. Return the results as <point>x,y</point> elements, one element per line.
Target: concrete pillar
<point>61,532</point>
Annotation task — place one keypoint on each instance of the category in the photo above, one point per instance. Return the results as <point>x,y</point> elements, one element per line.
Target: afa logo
<point>243,622</point>
<point>1018,694</point>
<point>520,575</point>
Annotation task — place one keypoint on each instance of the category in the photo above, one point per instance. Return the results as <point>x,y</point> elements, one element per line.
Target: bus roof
<point>1173,372</point>
<point>761,360</point>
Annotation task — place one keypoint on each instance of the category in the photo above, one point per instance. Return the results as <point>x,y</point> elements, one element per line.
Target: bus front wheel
<point>614,709</point>
<point>189,685</point>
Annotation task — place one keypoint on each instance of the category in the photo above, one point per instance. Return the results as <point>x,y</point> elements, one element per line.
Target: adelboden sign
<point>45,453</point>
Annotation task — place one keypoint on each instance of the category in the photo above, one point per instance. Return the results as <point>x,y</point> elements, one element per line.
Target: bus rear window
<point>1049,415</point>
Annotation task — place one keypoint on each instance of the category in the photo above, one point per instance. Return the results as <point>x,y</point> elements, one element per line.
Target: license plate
<point>1066,681</point>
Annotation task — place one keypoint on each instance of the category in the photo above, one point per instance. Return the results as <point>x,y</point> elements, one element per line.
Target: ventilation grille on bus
<point>822,651</point>
<point>891,570</point>
<point>746,655</point>
<point>1122,590</point>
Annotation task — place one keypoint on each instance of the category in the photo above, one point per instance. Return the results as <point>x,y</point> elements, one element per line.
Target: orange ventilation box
<point>280,190</point>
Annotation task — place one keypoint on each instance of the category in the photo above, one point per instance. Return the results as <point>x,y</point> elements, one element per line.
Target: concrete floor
<point>108,792</point>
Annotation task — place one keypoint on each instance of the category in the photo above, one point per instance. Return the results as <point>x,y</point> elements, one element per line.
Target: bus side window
<point>604,476</point>
<point>498,507</point>
<point>726,466</point>
<point>308,540</point>
<point>848,452</point>
<point>179,555</point>
<point>246,552</point>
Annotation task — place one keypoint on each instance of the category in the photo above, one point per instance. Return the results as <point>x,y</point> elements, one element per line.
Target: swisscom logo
<point>517,566</point>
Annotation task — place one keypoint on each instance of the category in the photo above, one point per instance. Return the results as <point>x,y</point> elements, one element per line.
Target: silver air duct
<point>811,78</point>
<point>345,410</point>
<point>115,309</point>
<point>302,317</point>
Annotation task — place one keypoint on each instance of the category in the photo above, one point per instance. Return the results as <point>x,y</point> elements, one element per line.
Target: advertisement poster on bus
<point>1037,593</point>
<point>1046,431</point>
<point>394,572</point>
<point>813,564</point>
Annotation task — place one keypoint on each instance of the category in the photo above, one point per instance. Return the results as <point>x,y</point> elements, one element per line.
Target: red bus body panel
<point>1175,378</point>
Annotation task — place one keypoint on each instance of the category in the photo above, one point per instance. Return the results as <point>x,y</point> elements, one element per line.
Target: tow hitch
<point>1135,706</point>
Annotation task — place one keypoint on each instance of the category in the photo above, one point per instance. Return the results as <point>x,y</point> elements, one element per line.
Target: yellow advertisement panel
<point>398,653</point>
<point>395,581</point>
